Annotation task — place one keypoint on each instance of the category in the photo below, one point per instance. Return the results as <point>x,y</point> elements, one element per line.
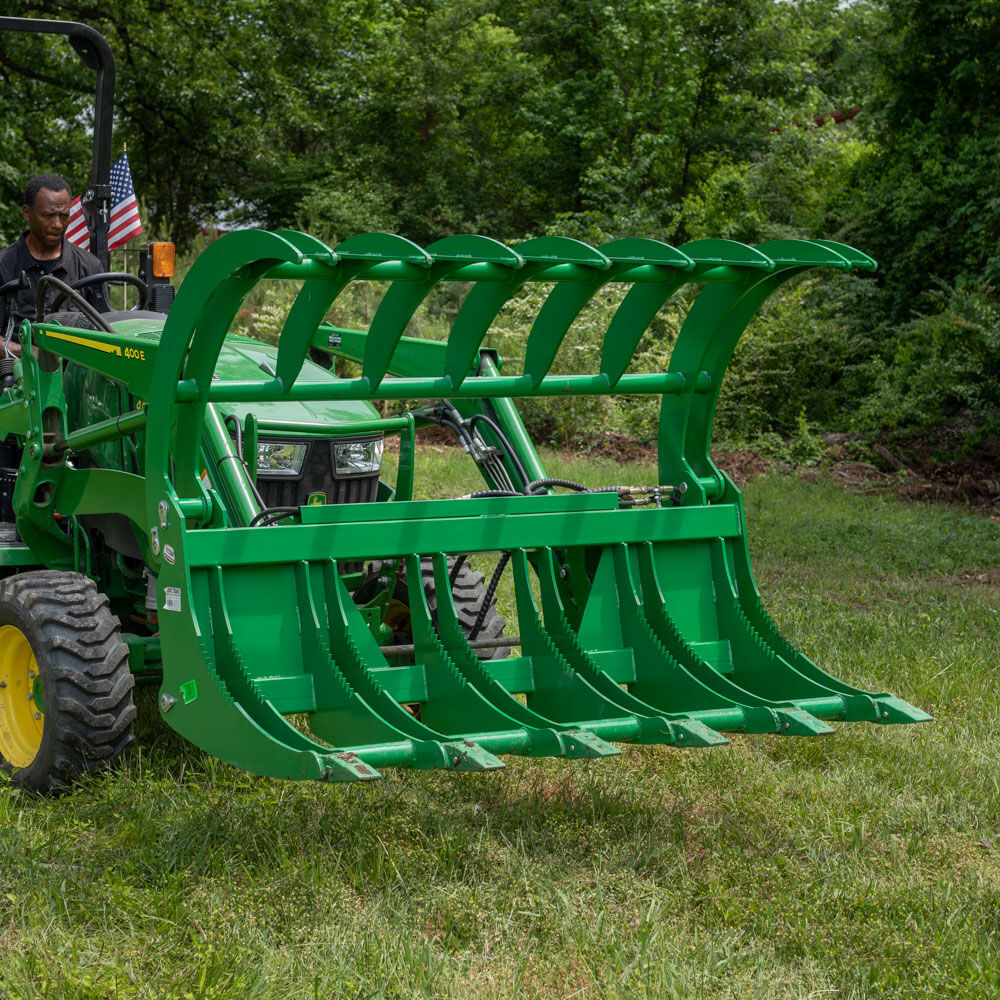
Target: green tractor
<point>206,513</point>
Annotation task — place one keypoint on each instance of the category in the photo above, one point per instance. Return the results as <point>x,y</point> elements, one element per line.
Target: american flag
<point>125,224</point>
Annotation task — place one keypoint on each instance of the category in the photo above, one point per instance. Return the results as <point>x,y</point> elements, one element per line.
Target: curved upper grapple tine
<point>667,268</point>
<point>308,245</point>
<point>560,308</point>
<point>709,336</point>
<point>804,253</point>
<point>712,253</point>
<point>858,260</point>
<point>311,305</point>
<point>400,302</point>
<point>377,248</point>
<point>487,298</point>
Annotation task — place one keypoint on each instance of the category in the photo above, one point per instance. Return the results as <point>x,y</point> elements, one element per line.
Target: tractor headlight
<point>280,458</point>
<point>352,458</point>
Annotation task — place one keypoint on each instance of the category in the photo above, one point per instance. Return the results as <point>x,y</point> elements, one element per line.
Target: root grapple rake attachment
<point>638,617</point>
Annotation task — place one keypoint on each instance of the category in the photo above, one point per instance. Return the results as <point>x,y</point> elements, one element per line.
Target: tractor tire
<point>66,705</point>
<point>468,594</point>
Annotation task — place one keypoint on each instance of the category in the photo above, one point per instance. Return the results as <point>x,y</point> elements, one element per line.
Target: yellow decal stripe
<point>84,342</point>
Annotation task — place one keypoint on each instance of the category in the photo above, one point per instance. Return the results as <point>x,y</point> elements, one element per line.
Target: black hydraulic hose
<point>460,432</point>
<point>272,520</point>
<point>504,442</point>
<point>459,561</point>
<point>494,493</point>
<point>269,512</point>
<point>74,296</point>
<point>238,431</point>
<point>491,591</point>
<point>536,485</point>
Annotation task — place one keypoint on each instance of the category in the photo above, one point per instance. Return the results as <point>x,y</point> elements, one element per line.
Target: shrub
<point>944,363</point>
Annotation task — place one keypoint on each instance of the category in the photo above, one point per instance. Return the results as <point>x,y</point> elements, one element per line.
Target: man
<point>43,250</point>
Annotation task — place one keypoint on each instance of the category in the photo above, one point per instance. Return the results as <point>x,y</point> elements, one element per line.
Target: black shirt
<point>70,266</point>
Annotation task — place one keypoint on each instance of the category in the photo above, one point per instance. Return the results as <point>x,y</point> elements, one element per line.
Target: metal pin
<point>38,715</point>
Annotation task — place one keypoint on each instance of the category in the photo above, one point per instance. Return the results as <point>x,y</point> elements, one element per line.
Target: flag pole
<point>125,253</point>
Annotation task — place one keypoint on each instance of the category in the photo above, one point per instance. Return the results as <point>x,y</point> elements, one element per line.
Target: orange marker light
<point>162,255</point>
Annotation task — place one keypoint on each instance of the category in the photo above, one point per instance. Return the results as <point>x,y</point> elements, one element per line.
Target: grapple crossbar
<point>637,624</point>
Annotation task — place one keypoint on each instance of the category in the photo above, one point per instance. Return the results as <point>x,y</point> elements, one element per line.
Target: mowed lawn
<point>861,864</point>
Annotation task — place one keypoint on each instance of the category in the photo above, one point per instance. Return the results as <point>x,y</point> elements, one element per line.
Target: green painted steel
<point>637,623</point>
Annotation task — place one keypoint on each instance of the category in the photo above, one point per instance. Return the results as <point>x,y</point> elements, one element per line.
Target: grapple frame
<point>636,625</point>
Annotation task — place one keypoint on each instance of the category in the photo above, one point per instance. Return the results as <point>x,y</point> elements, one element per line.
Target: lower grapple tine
<point>348,767</point>
<point>762,715</point>
<point>572,679</point>
<point>580,745</point>
<point>469,756</point>
<point>891,710</point>
<point>544,736</point>
<point>693,733</point>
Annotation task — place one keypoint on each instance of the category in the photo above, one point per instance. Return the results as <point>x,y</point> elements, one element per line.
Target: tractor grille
<point>318,476</point>
<point>284,493</point>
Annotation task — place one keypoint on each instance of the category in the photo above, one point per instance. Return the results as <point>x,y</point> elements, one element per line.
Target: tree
<point>928,195</point>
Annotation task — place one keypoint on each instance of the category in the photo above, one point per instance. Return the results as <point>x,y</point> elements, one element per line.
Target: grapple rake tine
<point>486,298</point>
<point>560,691</point>
<point>571,741</point>
<point>333,765</point>
<point>685,730</point>
<point>355,649</point>
<point>661,679</point>
<point>453,705</point>
<point>790,718</point>
<point>563,304</point>
<point>706,342</point>
<point>630,322</point>
<point>341,714</point>
<point>643,301</point>
<point>403,297</point>
<point>311,305</point>
<point>860,706</point>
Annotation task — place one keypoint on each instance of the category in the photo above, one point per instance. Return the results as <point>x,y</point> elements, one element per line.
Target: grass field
<point>862,864</point>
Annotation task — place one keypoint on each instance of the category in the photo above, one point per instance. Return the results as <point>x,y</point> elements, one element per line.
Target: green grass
<point>863,864</point>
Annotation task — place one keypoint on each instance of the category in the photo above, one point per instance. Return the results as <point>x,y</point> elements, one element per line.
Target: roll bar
<point>93,49</point>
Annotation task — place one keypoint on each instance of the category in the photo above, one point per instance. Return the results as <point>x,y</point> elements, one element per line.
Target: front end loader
<point>207,513</point>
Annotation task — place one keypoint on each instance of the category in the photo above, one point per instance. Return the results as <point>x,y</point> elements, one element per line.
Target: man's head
<point>46,207</point>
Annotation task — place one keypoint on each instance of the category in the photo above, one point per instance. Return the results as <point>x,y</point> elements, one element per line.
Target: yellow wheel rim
<point>21,714</point>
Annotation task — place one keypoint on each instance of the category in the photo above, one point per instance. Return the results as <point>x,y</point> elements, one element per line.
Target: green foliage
<point>785,191</point>
<point>926,195</point>
<point>674,119</point>
<point>945,362</point>
<point>796,356</point>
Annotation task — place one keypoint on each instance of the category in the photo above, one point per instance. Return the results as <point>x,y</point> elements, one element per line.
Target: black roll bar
<point>93,49</point>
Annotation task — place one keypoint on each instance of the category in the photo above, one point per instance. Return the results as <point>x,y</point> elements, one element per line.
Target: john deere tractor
<point>206,513</point>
